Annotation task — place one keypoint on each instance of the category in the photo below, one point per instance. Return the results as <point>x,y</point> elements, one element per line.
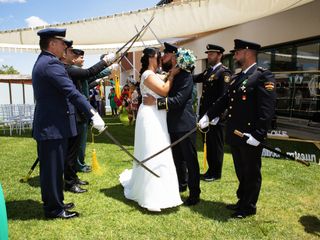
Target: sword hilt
<point>240,134</point>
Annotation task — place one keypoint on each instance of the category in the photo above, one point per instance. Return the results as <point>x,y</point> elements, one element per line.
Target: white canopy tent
<point>176,20</point>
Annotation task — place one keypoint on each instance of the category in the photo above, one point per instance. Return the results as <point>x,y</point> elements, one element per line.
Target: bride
<point>151,135</point>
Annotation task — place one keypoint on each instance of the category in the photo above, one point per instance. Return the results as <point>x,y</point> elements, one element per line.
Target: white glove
<point>109,58</point>
<point>251,140</point>
<point>204,121</point>
<point>114,67</point>
<point>97,122</point>
<point>215,121</point>
<point>98,80</point>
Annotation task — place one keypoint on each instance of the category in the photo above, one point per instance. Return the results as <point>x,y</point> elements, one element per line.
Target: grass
<point>288,206</point>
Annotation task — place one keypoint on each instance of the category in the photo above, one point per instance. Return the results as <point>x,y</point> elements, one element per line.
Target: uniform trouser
<point>70,172</point>
<point>52,154</point>
<point>247,162</point>
<point>83,132</point>
<point>186,162</point>
<point>215,142</point>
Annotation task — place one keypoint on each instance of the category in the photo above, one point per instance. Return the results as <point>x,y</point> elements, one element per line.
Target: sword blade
<point>137,36</point>
<point>129,154</point>
<point>171,145</point>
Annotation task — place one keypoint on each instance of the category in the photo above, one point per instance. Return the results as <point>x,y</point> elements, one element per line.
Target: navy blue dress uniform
<point>215,80</point>
<point>78,75</point>
<point>250,100</point>
<point>181,119</point>
<point>54,122</point>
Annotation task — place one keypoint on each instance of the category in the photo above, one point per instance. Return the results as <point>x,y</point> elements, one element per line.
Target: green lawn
<point>288,208</point>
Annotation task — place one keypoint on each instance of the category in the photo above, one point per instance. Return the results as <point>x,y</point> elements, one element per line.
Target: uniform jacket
<point>82,77</point>
<point>214,85</point>
<point>181,116</point>
<point>56,98</point>
<point>250,100</point>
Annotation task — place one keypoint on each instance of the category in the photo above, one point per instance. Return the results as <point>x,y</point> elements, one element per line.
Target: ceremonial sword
<point>137,36</point>
<point>240,134</point>
<point>126,151</point>
<point>171,145</point>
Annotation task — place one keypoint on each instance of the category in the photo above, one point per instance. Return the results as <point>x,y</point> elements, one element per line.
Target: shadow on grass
<point>24,210</point>
<point>116,192</point>
<point>311,224</point>
<point>212,210</point>
<point>34,181</point>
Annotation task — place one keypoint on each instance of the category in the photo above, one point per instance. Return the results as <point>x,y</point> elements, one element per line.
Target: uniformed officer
<point>215,80</point>
<point>181,119</point>
<point>54,119</point>
<point>250,100</point>
<point>78,76</point>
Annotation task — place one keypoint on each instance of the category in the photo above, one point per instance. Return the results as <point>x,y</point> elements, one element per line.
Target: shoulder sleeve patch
<point>227,78</point>
<point>269,86</point>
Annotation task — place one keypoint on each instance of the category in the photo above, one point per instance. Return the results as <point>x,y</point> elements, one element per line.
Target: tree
<point>5,69</point>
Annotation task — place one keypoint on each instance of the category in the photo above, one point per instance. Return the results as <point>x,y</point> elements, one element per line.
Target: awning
<point>176,20</point>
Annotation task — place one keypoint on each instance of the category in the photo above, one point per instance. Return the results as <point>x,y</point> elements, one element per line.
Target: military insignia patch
<point>269,86</point>
<point>211,78</point>
<point>244,82</point>
<point>226,79</point>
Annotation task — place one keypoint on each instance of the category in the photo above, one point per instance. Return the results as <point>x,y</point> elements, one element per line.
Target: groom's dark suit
<point>181,119</point>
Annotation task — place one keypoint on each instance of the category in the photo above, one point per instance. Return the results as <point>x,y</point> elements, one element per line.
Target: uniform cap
<point>214,48</point>
<point>168,48</point>
<point>52,33</point>
<point>68,43</point>
<point>241,44</point>
<point>78,52</point>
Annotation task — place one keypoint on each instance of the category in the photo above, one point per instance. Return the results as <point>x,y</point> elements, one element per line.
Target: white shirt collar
<point>215,66</point>
<point>245,71</point>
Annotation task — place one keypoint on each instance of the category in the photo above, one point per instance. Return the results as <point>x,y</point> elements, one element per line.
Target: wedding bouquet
<point>186,59</point>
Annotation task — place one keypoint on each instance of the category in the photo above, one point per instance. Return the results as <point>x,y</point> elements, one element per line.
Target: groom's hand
<point>149,100</point>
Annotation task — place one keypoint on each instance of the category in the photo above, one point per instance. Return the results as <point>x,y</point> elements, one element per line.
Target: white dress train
<point>151,135</point>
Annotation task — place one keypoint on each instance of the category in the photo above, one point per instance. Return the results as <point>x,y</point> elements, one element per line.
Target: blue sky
<point>28,13</point>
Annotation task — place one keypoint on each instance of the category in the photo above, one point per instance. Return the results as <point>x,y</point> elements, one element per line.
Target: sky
<point>30,13</point>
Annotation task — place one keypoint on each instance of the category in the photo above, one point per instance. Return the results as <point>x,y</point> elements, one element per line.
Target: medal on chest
<point>243,89</point>
<point>211,78</point>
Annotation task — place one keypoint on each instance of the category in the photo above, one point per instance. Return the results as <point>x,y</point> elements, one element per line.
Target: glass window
<point>308,57</point>
<point>284,60</point>
<point>264,59</point>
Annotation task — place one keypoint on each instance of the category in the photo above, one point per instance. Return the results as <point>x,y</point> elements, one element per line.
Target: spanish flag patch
<point>269,86</point>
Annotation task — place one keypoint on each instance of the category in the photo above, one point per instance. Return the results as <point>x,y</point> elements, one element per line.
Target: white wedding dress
<point>151,135</point>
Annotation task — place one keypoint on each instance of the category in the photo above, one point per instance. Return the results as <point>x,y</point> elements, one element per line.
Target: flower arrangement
<point>185,59</point>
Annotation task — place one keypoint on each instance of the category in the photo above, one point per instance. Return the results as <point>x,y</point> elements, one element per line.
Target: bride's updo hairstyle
<point>146,54</point>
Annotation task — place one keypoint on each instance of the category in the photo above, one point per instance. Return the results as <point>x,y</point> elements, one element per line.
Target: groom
<point>181,119</point>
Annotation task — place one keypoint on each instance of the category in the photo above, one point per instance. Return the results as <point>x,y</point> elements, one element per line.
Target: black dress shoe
<point>192,200</point>
<point>240,214</point>
<point>64,215</point>
<point>210,178</point>
<point>82,182</point>
<point>68,206</point>
<point>76,189</point>
<point>84,169</point>
<point>233,207</point>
